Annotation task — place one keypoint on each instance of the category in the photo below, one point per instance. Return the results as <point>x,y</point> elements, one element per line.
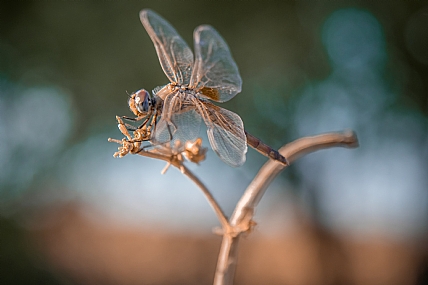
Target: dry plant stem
<point>244,210</point>
<point>219,212</point>
<point>292,151</point>
<point>221,216</point>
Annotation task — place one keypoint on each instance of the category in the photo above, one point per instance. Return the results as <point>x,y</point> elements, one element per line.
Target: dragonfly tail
<point>264,149</point>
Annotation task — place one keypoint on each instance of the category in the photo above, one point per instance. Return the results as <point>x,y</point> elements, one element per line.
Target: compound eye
<point>142,101</point>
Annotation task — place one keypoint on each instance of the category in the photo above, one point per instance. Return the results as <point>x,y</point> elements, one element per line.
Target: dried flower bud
<point>194,151</point>
<point>174,154</point>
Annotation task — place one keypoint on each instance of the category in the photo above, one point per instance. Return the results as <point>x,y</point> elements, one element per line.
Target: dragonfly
<point>177,109</point>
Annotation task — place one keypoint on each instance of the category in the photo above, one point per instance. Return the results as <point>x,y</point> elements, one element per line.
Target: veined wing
<point>225,133</point>
<point>175,56</point>
<point>214,66</point>
<point>180,121</point>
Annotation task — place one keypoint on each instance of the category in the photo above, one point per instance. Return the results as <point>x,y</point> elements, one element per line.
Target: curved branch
<point>241,218</point>
<point>292,151</point>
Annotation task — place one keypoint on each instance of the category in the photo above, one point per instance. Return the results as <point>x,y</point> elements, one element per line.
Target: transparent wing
<point>225,133</point>
<point>179,121</point>
<point>174,54</point>
<point>214,66</point>
<point>162,133</point>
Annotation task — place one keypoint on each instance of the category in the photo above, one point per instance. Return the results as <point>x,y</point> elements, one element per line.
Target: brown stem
<point>241,218</point>
<point>217,209</point>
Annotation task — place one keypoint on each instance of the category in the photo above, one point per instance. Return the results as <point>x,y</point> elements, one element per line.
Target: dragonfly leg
<point>144,148</point>
<point>131,119</point>
<point>169,132</point>
<point>130,127</point>
<point>136,119</point>
<point>143,123</point>
<point>152,123</point>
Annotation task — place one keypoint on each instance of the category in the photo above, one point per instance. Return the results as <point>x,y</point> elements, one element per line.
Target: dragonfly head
<point>140,102</point>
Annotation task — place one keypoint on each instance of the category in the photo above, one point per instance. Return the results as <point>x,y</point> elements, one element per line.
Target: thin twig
<point>211,200</point>
<point>241,219</point>
<point>220,214</point>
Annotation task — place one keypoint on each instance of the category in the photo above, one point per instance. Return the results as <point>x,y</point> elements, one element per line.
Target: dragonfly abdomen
<point>264,149</point>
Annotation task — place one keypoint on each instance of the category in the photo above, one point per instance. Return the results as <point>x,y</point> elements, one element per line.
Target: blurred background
<point>72,214</point>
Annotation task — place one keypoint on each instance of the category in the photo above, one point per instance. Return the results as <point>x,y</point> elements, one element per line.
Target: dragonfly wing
<point>214,66</point>
<point>162,133</point>
<point>180,121</point>
<point>225,133</point>
<point>175,56</point>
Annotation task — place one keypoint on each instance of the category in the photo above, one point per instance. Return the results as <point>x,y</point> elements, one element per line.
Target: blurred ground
<point>87,253</point>
<point>82,252</point>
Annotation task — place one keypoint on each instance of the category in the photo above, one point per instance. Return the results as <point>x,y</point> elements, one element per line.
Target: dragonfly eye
<point>142,101</point>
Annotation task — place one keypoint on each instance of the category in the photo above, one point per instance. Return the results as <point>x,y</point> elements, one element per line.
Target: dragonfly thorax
<point>180,87</point>
<point>171,88</point>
